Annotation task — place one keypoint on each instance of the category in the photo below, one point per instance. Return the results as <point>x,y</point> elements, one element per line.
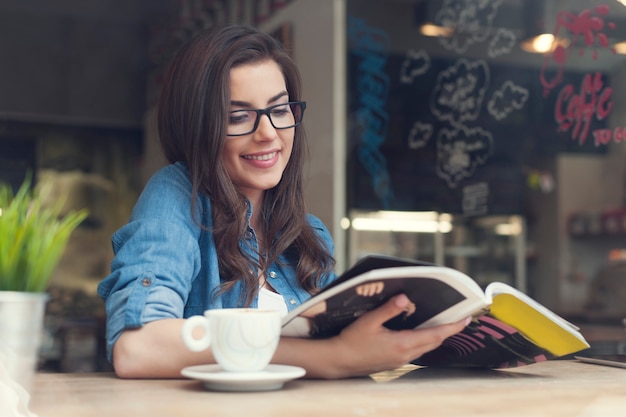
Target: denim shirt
<point>165,265</point>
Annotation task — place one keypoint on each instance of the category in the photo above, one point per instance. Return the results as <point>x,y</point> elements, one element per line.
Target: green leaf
<point>33,237</point>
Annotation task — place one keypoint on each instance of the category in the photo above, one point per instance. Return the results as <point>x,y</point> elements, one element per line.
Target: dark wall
<point>77,59</point>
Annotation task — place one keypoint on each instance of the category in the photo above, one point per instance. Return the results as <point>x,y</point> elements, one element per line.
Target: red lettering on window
<point>575,111</point>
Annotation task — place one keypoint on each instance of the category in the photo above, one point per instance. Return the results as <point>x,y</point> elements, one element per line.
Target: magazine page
<point>485,343</point>
<point>438,295</point>
<point>371,262</point>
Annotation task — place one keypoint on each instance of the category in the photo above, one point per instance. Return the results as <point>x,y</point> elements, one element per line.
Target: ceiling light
<point>430,29</point>
<point>416,222</point>
<point>620,48</point>
<point>539,44</point>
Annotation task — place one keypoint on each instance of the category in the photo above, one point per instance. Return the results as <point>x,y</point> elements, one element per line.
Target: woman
<point>224,225</point>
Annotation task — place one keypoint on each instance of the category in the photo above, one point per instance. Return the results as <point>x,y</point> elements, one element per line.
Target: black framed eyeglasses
<point>281,116</point>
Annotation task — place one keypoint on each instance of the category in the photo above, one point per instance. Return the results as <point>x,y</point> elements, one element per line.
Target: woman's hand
<point>371,347</point>
<point>366,346</point>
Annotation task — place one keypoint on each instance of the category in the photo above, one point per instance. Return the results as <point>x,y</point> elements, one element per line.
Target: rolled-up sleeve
<point>157,257</point>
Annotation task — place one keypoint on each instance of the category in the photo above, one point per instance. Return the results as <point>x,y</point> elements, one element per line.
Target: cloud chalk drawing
<point>415,64</point>
<point>508,98</point>
<point>459,91</point>
<point>470,20</point>
<point>420,134</point>
<point>460,152</point>
<point>502,43</point>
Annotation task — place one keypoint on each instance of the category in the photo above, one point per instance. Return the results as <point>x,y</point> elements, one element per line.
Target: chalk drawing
<point>420,134</point>
<point>415,64</point>
<point>502,43</point>
<point>475,199</point>
<point>459,91</point>
<point>508,98</point>
<point>469,20</point>
<point>461,151</point>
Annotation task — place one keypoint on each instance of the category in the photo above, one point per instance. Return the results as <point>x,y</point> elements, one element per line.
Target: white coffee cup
<point>241,339</point>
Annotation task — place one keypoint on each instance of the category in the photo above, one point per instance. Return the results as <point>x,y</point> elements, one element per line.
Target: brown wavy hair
<point>192,116</point>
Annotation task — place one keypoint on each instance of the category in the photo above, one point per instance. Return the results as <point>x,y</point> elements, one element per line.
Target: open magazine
<point>509,328</point>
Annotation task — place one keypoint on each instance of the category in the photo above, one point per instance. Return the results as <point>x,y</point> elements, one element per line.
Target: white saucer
<point>273,377</point>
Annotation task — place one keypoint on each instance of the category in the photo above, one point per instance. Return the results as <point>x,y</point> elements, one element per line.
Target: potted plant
<point>33,237</point>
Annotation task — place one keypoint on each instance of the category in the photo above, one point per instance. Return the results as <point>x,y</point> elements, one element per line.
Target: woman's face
<point>255,162</point>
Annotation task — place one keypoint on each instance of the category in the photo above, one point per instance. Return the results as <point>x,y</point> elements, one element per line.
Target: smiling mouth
<point>265,157</point>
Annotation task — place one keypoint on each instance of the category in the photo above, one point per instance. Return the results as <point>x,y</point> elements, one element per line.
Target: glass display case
<point>487,248</point>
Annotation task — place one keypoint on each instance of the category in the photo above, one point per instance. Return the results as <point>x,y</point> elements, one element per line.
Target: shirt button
<point>146,282</point>
<point>293,302</point>
<point>248,235</point>
<point>272,274</point>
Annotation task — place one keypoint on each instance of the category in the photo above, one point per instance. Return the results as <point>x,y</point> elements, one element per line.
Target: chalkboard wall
<point>456,129</point>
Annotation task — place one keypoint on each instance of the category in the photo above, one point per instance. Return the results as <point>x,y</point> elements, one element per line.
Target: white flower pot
<point>21,327</point>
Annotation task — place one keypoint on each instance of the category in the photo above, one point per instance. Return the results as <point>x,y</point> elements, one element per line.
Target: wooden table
<point>555,388</point>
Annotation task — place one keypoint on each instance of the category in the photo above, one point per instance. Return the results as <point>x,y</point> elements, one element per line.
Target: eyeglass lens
<point>282,116</point>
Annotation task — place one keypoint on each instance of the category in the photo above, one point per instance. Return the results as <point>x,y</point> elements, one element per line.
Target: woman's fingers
<point>387,311</point>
